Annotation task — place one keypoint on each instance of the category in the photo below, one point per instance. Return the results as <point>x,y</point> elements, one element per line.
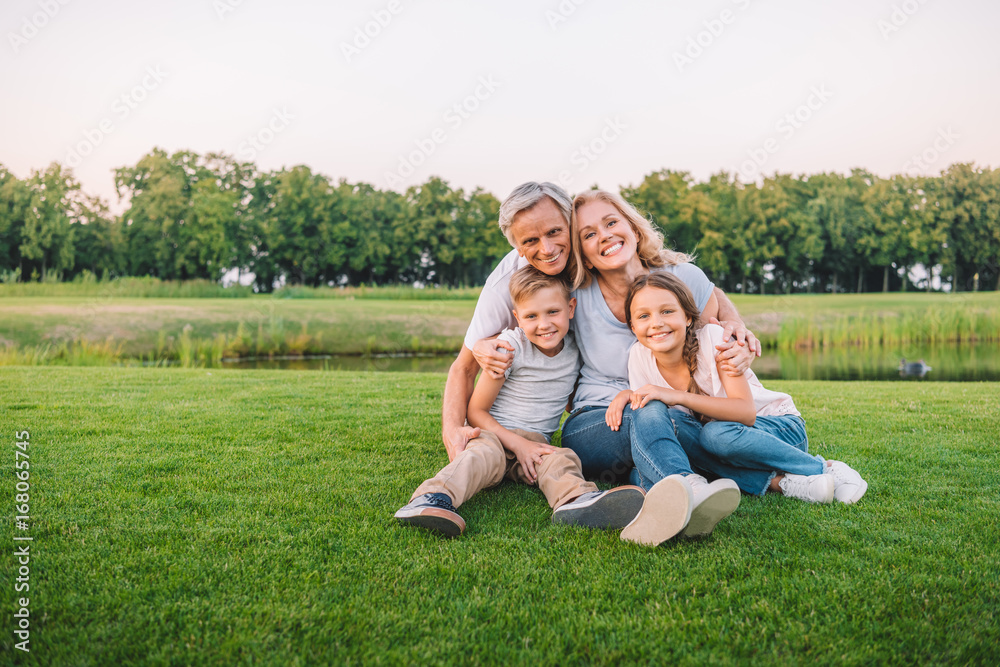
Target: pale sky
<point>578,91</point>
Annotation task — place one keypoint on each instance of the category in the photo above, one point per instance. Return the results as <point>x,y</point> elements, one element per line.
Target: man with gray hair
<point>535,218</point>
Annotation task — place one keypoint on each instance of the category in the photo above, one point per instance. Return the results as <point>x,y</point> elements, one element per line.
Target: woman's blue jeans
<point>753,455</point>
<point>652,442</point>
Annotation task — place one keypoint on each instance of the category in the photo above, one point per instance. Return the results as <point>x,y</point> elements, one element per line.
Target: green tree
<point>47,237</point>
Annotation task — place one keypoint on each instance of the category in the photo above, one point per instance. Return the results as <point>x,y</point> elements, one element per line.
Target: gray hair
<point>526,196</point>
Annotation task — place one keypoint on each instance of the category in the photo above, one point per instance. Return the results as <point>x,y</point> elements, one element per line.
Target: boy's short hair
<point>528,280</point>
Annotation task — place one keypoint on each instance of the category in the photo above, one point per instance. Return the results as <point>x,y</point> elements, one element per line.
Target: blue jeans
<point>652,442</point>
<point>753,455</point>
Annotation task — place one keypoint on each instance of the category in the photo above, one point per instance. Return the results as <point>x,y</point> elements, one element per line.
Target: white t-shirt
<point>494,308</point>
<point>604,341</point>
<point>642,370</point>
<point>538,386</point>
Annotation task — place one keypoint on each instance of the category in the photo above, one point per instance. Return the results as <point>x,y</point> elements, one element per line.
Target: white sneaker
<point>712,503</point>
<point>848,485</point>
<point>811,488</point>
<point>665,512</point>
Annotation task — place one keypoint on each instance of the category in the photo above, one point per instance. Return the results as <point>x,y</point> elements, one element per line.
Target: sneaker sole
<point>862,490</point>
<point>665,512</point>
<point>711,511</point>
<point>615,509</point>
<point>447,523</point>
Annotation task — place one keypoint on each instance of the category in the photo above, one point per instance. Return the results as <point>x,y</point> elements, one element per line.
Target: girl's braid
<point>690,356</point>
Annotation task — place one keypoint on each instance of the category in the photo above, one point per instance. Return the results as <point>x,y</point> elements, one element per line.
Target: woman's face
<point>607,240</point>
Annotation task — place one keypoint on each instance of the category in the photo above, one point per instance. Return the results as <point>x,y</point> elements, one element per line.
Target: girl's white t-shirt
<point>642,370</point>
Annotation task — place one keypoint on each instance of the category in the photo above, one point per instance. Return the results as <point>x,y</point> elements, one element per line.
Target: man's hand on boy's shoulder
<point>494,356</point>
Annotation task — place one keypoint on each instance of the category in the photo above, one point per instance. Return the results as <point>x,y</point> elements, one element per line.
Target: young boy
<point>517,414</point>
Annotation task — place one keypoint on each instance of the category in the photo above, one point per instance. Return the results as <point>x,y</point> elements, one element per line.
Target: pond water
<point>955,363</point>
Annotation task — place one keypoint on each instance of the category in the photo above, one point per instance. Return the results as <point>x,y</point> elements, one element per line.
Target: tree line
<point>190,216</point>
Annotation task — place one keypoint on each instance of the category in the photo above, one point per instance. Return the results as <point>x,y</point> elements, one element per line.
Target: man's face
<point>541,236</point>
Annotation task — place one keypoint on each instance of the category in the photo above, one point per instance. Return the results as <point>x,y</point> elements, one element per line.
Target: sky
<point>492,94</point>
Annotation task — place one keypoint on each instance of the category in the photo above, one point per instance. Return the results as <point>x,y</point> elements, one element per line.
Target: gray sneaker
<point>433,511</point>
<point>602,509</point>
<point>811,488</point>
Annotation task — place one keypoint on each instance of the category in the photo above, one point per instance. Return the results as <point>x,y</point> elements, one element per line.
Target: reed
<point>87,285</point>
<point>948,324</point>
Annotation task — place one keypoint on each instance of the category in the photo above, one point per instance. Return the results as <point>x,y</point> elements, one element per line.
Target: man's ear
<point>572,306</point>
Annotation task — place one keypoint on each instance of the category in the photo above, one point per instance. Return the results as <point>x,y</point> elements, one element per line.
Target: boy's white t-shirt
<point>538,386</point>
<point>494,309</point>
<point>642,370</point>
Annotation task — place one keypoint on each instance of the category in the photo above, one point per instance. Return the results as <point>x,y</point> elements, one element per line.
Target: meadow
<point>199,516</point>
<point>152,322</point>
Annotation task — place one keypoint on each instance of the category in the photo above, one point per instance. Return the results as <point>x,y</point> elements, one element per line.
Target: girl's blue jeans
<point>652,442</point>
<point>655,441</point>
<point>753,455</point>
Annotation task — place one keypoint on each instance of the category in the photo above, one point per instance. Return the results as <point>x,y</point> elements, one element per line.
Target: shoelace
<point>795,487</point>
<point>440,500</point>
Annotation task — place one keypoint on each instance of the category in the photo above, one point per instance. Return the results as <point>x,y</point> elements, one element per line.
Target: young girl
<point>755,436</point>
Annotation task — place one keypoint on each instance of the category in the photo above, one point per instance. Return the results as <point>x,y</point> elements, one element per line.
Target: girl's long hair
<point>671,283</point>
<point>651,251</point>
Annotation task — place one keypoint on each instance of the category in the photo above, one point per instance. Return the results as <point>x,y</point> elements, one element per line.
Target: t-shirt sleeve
<point>636,371</point>
<point>696,280</point>
<point>512,336</point>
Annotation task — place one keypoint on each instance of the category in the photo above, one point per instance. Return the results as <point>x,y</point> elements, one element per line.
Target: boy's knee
<point>490,446</point>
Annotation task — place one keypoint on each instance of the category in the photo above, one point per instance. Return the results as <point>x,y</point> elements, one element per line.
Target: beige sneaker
<point>665,512</point>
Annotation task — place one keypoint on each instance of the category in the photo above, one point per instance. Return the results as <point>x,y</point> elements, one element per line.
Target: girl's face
<point>658,321</point>
<point>606,237</point>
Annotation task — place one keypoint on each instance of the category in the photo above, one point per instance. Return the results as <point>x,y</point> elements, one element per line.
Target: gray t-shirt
<point>604,341</point>
<point>537,387</point>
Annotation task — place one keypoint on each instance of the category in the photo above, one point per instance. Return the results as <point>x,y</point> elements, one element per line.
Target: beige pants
<point>485,463</point>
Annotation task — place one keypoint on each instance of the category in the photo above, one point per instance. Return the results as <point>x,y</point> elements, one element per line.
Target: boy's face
<point>545,317</point>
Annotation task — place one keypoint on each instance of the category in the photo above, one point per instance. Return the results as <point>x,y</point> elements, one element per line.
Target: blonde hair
<point>650,241</point>
<point>528,280</point>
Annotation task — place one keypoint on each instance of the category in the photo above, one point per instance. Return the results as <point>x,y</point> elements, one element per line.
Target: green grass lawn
<point>229,517</point>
